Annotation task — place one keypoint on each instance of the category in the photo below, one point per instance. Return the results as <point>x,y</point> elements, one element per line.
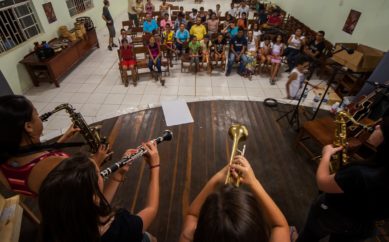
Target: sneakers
<point>109,48</point>
<point>114,45</point>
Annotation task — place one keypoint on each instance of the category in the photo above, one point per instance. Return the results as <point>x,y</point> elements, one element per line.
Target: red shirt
<point>126,53</point>
<point>274,20</point>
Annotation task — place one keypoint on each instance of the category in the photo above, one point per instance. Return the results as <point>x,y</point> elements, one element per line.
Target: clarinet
<point>167,135</point>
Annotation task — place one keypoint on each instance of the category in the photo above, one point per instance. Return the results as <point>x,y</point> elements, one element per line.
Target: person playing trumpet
<point>227,213</point>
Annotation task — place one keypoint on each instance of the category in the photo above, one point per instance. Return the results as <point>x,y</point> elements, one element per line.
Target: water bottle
<point>315,103</point>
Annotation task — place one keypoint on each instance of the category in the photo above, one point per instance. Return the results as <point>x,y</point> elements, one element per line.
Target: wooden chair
<point>124,74</point>
<point>142,60</point>
<point>185,62</point>
<point>175,8</point>
<point>128,24</point>
<point>165,63</point>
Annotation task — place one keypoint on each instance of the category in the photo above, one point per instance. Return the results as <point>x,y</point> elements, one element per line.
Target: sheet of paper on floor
<point>176,112</point>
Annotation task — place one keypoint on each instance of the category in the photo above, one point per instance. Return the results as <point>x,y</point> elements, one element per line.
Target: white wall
<point>16,73</point>
<point>330,16</point>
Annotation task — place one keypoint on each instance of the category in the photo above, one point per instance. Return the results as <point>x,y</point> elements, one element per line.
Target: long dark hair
<point>15,111</point>
<point>67,201</point>
<point>231,215</point>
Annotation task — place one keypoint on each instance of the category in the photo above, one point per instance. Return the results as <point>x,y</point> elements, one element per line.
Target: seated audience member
<point>264,52</point>
<point>181,11</point>
<point>229,19</point>
<point>354,198</point>
<point>164,7</point>
<point>182,39</point>
<point>244,8</point>
<point>150,25</point>
<point>274,20</point>
<point>242,21</point>
<point>233,11</point>
<point>179,20</point>
<point>229,214</point>
<point>316,46</point>
<point>275,58</point>
<point>295,42</point>
<point>206,46</point>
<point>198,29</point>
<point>128,60</point>
<point>203,15</point>
<point>209,14</point>
<point>256,31</point>
<point>165,21</point>
<point>193,15</point>
<point>213,25</point>
<point>168,41</point>
<point>238,46</point>
<point>75,202</point>
<point>155,55</point>
<point>297,77</point>
<point>218,11</point>
<point>219,45</point>
<point>194,53</point>
<point>252,50</point>
<point>21,128</point>
<point>149,7</point>
<point>231,31</point>
<point>263,16</point>
<point>124,35</point>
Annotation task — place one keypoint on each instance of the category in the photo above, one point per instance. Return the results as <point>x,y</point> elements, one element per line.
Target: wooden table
<point>62,63</point>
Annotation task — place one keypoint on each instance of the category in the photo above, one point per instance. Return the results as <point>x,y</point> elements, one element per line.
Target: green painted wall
<point>14,72</point>
<point>330,16</point>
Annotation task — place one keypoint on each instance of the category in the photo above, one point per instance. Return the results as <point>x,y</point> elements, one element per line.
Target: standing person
<point>218,11</point>
<point>213,25</point>
<point>75,203</point>
<point>149,7</point>
<point>198,29</point>
<point>238,46</point>
<point>127,61</point>
<point>355,197</point>
<point>194,53</point>
<point>182,39</point>
<point>164,7</point>
<point>295,42</point>
<point>296,78</point>
<point>244,8</point>
<point>233,11</point>
<point>230,214</point>
<point>275,58</point>
<point>132,12</point>
<point>150,25</point>
<point>220,50</point>
<point>109,22</point>
<point>155,59</point>
<point>139,8</point>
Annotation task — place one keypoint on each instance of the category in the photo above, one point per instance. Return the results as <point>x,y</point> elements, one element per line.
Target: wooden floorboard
<point>200,149</point>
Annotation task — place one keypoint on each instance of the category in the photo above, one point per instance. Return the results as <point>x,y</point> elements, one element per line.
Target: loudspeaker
<point>5,89</point>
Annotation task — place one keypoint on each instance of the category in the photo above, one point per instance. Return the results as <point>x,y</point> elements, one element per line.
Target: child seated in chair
<point>275,58</point>
<point>168,40</point>
<point>220,49</point>
<point>297,77</point>
<point>265,48</point>
<point>206,45</point>
<point>194,53</point>
<point>155,59</point>
<point>127,62</point>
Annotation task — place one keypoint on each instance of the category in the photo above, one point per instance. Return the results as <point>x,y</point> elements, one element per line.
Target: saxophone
<point>90,134</point>
<point>341,158</point>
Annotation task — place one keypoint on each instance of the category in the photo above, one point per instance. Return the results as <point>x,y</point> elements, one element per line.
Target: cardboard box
<point>364,58</point>
<point>332,96</point>
<point>10,219</point>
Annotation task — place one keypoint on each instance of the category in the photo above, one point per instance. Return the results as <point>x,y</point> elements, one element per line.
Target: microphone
<point>349,51</point>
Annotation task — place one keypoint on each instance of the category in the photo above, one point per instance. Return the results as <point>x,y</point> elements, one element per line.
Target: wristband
<point>154,166</point>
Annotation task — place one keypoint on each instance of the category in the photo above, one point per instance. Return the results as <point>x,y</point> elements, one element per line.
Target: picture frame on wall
<point>351,21</point>
<point>49,11</point>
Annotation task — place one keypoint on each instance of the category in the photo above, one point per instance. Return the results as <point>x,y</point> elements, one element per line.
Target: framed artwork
<point>49,11</point>
<point>351,21</point>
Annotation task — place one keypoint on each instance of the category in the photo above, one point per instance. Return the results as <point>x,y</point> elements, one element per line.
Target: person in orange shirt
<point>242,22</point>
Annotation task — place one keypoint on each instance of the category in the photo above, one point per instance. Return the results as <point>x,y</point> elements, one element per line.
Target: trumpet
<point>140,151</point>
<point>237,132</point>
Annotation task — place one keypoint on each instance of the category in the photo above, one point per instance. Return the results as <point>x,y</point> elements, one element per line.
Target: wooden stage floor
<point>200,149</point>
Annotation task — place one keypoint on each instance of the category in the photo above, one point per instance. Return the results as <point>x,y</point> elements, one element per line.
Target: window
<point>18,23</point>
<point>78,6</point>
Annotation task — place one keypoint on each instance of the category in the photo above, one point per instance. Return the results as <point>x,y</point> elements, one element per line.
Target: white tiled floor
<point>94,88</point>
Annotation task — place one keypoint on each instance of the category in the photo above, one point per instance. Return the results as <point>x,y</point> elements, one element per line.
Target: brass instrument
<point>90,134</point>
<point>341,158</point>
<point>237,132</point>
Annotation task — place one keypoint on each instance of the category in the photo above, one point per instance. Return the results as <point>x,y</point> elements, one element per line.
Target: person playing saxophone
<point>354,197</point>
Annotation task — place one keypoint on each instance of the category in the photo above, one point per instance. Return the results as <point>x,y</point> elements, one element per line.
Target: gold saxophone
<point>341,158</point>
<point>90,134</point>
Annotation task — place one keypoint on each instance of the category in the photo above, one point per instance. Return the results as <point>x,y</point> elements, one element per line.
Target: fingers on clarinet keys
<point>151,156</point>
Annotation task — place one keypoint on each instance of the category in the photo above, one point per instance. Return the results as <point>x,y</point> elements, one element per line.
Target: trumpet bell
<point>238,131</point>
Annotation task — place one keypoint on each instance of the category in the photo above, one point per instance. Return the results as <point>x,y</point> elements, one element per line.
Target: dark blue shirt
<point>238,43</point>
